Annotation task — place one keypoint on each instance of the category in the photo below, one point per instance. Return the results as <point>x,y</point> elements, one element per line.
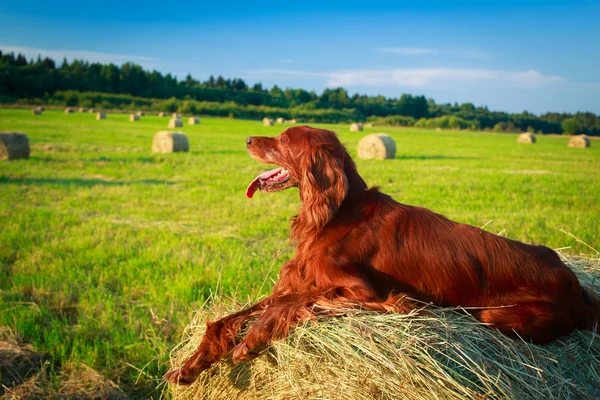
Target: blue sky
<point>511,55</point>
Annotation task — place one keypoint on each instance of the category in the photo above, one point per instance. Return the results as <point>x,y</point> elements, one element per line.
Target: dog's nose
<point>248,141</point>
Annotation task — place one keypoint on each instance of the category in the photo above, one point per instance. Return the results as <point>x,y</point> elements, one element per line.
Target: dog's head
<point>311,159</point>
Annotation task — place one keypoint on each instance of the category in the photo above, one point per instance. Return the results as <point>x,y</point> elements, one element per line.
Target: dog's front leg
<point>217,341</point>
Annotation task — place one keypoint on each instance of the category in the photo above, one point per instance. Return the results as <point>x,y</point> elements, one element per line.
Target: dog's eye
<point>284,138</point>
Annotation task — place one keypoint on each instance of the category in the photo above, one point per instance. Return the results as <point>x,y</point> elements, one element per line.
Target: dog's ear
<point>324,184</point>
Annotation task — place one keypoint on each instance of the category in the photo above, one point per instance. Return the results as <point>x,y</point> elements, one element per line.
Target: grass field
<point>106,249</point>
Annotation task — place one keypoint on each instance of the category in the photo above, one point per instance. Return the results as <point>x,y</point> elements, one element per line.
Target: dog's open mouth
<point>270,181</point>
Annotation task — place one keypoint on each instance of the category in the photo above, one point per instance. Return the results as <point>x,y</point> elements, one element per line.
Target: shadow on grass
<point>434,157</point>
<point>146,160</point>
<point>81,182</point>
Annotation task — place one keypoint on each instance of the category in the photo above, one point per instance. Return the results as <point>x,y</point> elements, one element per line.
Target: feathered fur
<point>357,247</point>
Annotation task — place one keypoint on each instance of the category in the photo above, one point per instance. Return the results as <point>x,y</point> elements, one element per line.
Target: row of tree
<point>44,79</point>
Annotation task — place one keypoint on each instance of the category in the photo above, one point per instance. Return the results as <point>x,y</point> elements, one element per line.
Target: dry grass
<point>13,146</point>
<point>18,361</point>
<point>175,123</point>
<point>439,353</point>
<point>378,146</point>
<point>170,142</point>
<point>24,374</point>
<point>355,127</point>
<point>580,141</point>
<point>526,138</point>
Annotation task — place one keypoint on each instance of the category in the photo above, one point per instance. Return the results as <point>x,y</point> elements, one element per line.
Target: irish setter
<point>357,247</point>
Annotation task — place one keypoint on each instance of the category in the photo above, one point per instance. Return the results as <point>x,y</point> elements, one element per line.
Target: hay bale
<point>356,127</point>
<point>68,110</point>
<point>37,111</point>
<point>580,141</point>
<point>378,146</point>
<point>170,142</point>
<point>526,138</point>
<point>13,146</point>
<point>140,113</point>
<point>175,115</point>
<point>193,121</point>
<point>100,115</point>
<point>438,129</point>
<point>161,114</point>
<point>280,120</point>
<point>134,117</point>
<point>91,110</point>
<point>268,121</point>
<point>369,125</point>
<point>81,109</point>
<point>175,123</point>
<point>441,353</point>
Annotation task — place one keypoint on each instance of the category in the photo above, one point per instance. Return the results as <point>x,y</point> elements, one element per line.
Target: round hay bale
<point>292,121</point>
<point>170,142</point>
<point>526,138</point>
<point>13,146</point>
<point>161,114</point>
<point>369,125</point>
<point>440,353</point>
<point>355,127</point>
<point>438,129</point>
<point>580,141</point>
<point>268,121</point>
<point>280,120</point>
<point>100,115</point>
<point>193,121</point>
<point>91,110</point>
<point>175,115</point>
<point>378,146</point>
<point>140,113</point>
<point>68,110</point>
<point>134,117</point>
<point>175,123</point>
<point>37,111</point>
<point>81,109</point>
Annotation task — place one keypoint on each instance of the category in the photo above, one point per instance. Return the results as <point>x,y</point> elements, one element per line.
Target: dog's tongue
<point>253,186</point>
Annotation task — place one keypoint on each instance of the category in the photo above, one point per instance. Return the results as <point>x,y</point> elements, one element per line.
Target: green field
<point>106,249</point>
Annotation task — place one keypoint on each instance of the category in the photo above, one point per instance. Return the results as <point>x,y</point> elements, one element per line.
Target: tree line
<point>111,86</point>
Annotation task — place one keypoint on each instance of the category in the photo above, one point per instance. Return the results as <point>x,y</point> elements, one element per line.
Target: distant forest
<point>129,86</point>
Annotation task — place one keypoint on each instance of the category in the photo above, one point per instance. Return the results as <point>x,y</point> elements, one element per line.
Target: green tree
<point>572,126</point>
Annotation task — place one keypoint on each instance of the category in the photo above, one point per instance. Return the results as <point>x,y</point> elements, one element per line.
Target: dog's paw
<point>240,353</point>
<point>176,376</point>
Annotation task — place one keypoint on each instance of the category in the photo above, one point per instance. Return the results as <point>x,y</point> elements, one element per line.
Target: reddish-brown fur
<point>357,247</point>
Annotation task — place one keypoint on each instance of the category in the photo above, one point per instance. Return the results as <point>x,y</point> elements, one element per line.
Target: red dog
<point>358,247</point>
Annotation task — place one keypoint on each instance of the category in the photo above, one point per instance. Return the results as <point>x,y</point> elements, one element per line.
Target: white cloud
<point>418,77</point>
<point>408,51</point>
<point>418,51</point>
<point>58,55</point>
<point>415,77</point>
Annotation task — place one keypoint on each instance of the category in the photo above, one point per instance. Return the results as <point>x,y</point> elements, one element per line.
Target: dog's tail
<point>591,317</point>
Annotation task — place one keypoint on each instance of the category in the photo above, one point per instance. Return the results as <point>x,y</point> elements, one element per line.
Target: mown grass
<point>106,249</point>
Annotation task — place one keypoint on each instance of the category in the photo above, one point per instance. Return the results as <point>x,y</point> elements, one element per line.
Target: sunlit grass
<point>107,249</point>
